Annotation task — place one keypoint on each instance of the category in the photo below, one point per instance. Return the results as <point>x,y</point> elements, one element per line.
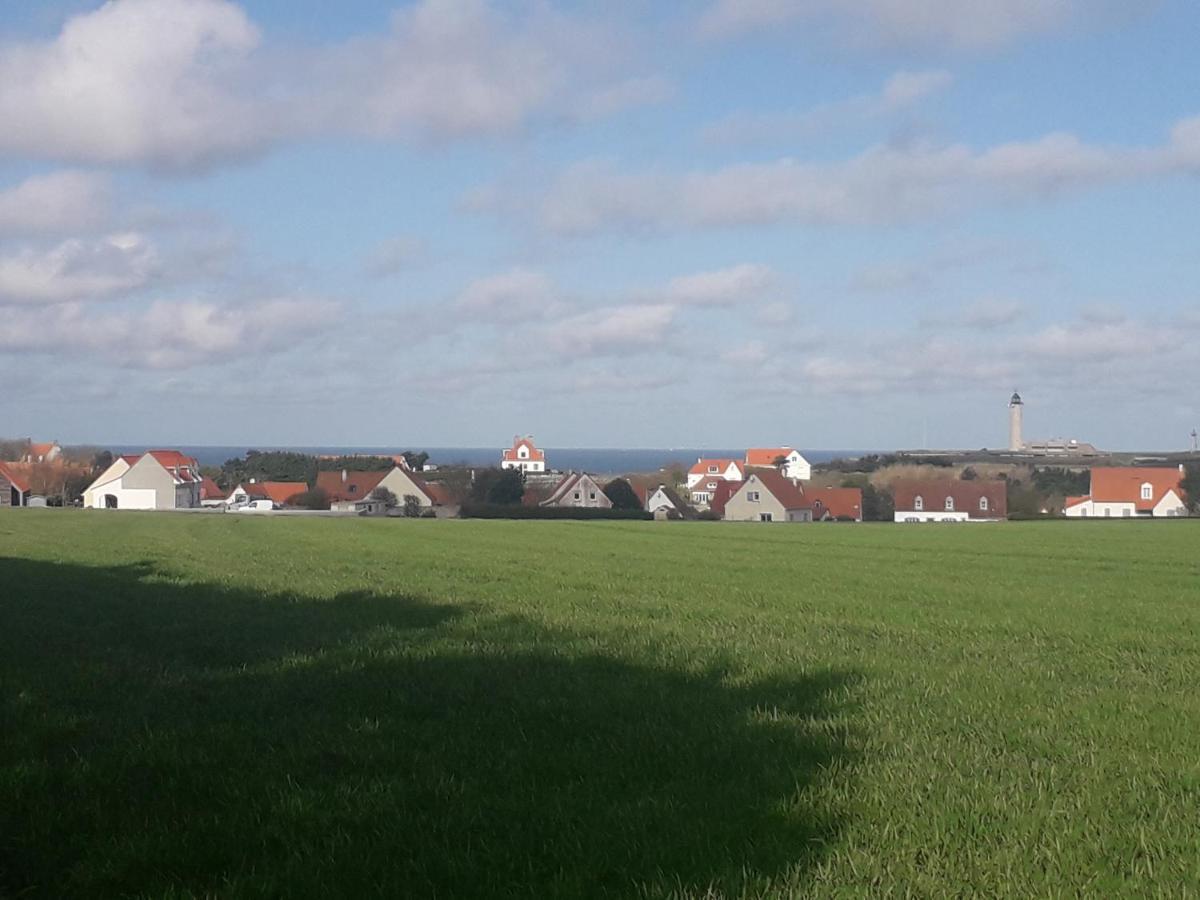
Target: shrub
<point>506,511</point>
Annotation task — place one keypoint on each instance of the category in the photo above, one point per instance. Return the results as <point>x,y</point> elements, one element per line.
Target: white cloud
<point>57,203</point>
<point>720,287</point>
<point>77,270</point>
<point>900,92</point>
<point>880,186</point>
<point>613,330</point>
<point>166,335</point>
<point>937,23</point>
<point>513,296</point>
<point>187,84</point>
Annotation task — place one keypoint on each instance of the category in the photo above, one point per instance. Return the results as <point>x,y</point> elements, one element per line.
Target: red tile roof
<point>280,492</point>
<point>356,486</point>
<point>18,474</point>
<point>535,455</point>
<point>840,503</point>
<point>1124,485</point>
<point>209,489</point>
<point>721,494</point>
<point>765,456</point>
<point>966,494</point>
<point>703,465</point>
<point>789,494</point>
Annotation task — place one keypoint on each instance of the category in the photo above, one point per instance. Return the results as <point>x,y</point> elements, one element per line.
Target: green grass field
<point>236,706</point>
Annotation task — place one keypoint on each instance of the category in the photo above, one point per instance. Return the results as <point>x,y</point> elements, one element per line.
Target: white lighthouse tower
<point>1016,408</point>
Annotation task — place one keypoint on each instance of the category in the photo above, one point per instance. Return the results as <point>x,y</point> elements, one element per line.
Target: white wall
<point>928,515</point>
<point>127,498</point>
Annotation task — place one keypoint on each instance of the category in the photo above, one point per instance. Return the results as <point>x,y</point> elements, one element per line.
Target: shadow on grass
<point>191,740</point>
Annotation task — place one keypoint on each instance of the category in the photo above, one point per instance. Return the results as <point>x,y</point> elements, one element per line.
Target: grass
<point>236,706</point>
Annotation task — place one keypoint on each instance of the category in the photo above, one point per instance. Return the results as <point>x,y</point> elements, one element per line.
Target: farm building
<point>157,479</point>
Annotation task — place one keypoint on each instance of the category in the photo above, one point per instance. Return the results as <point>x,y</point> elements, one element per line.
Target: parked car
<point>256,506</point>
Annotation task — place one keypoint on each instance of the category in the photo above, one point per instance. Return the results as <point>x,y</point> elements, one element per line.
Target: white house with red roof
<point>523,455</point>
<point>1130,492</point>
<point>785,460</point>
<point>706,475</point>
<point>156,479</point>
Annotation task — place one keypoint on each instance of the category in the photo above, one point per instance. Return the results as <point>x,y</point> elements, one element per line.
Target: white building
<point>1130,492</point>
<point>523,455</point>
<point>785,460</point>
<point>158,479</point>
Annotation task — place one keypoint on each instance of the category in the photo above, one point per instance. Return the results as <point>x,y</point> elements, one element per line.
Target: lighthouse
<point>1016,407</point>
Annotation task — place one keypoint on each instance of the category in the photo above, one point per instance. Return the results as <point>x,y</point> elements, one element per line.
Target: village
<point>765,484</point>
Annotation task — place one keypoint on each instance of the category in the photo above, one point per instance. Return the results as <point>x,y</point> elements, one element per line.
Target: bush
<point>311,499</point>
<point>622,495</point>
<point>506,511</point>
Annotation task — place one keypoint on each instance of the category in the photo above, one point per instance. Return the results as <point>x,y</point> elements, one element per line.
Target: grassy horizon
<point>237,706</point>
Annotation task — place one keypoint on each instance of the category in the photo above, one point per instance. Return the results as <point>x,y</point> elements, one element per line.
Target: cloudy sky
<point>827,223</point>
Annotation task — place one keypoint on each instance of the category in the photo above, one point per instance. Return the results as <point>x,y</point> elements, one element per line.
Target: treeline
<point>280,465</point>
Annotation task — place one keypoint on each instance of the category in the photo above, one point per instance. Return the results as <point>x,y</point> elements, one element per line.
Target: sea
<point>597,460</point>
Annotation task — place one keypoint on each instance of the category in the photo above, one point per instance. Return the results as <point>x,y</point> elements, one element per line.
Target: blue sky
<point>825,223</point>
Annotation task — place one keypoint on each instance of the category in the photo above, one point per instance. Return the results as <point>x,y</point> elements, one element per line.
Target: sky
<point>606,223</point>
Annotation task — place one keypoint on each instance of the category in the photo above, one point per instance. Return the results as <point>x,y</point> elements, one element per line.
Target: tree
<point>1191,487</point>
<point>878,504</point>
<point>101,461</point>
<point>502,486</point>
<point>416,461</point>
<point>969,474</point>
<point>412,507</point>
<point>386,497</point>
<point>622,494</point>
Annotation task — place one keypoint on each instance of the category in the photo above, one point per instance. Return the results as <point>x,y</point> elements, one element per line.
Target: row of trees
<point>279,465</point>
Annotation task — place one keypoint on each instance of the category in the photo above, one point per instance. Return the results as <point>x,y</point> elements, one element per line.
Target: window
<point>712,485</point>
<point>919,503</point>
<point>983,504</point>
<point>1147,492</point>
<point>765,517</point>
<point>1126,513</point>
<point>752,496</point>
<point>713,470</point>
<point>1083,512</point>
<point>1107,512</point>
<point>352,489</point>
<point>523,453</point>
<point>949,504</point>
<point>592,495</point>
<point>577,495</point>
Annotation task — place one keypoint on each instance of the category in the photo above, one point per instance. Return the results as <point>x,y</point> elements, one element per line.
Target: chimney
<point>254,481</point>
<point>345,475</point>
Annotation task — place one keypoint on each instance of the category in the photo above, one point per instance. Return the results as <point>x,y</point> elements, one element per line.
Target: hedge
<point>500,511</point>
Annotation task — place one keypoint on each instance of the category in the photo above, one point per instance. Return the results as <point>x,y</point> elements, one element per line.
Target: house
<point>523,455</point>
<point>351,491</point>
<point>210,493</point>
<point>720,496</point>
<point>663,498</point>
<point>278,492</point>
<point>832,504</point>
<point>14,484</point>
<point>950,500</point>
<point>578,489</point>
<point>43,453</point>
<point>1131,492</point>
<point>767,496</point>
<point>156,479</point>
<point>788,461</point>
<point>711,470</point>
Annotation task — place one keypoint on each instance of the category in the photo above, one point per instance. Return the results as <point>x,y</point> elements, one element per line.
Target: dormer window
<point>523,453</point>
<point>919,503</point>
<point>713,470</point>
<point>983,504</point>
<point>949,504</point>
<point>1147,491</point>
